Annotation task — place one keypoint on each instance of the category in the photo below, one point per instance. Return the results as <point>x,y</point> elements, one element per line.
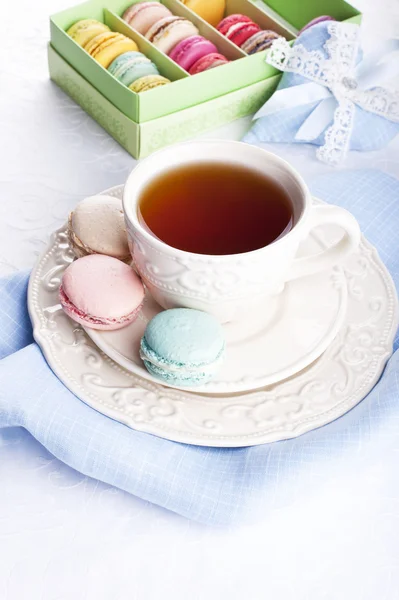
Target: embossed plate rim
<point>155,408</point>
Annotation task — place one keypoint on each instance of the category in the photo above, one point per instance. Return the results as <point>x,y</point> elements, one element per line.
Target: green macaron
<point>130,66</point>
<point>183,347</point>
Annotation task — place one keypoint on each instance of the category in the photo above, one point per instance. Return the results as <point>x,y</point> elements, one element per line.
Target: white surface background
<point>66,537</point>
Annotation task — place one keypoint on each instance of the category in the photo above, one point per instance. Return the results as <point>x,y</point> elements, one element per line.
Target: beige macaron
<point>168,32</point>
<point>97,226</point>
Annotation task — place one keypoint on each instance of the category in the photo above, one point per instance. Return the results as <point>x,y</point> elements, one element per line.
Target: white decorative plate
<point>328,388</point>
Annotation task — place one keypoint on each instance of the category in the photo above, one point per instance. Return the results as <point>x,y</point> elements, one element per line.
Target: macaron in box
<point>143,15</point>
<point>209,61</point>
<point>85,30</point>
<point>137,72</point>
<point>211,11</point>
<point>238,28</point>
<point>190,50</point>
<point>168,32</point>
<point>130,66</point>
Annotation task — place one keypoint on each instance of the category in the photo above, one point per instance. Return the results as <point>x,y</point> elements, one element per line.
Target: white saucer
<point>333,384</point>
<point>267,345</point>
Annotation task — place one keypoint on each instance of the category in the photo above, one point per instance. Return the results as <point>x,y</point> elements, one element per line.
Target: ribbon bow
<point>338,83</point>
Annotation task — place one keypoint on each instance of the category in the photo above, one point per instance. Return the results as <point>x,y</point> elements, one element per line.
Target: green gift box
<point>189,105</point>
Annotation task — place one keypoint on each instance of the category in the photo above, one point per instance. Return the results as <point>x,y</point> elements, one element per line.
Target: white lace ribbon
<point>337,85</point>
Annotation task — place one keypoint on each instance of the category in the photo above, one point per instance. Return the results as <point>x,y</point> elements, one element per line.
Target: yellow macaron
<point>104,48</point>
<point>211,11</point>
<point>84,31</point>
<point>148,82</point>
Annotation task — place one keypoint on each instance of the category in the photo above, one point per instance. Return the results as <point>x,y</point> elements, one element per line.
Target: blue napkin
<point>214,486</point>
<point>370,131</point>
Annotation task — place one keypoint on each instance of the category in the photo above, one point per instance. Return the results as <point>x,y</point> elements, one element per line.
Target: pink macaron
<point>208,62</point>
<point>240,33</point>
<point>238,29</point>
<point>189,51</point>
<point>231,20</point>
<point>101,292</point>
<point>143,15</point>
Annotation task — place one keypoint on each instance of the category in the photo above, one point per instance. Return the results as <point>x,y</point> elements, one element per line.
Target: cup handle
<point>328,215</point>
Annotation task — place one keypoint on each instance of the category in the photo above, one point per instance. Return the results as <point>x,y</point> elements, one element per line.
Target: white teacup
<point>227,286</point>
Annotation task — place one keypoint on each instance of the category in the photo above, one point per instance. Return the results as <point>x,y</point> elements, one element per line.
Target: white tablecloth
<point>66,537</point>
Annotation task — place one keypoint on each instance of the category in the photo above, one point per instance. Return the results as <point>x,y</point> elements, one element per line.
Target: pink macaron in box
<point>187,52</point>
